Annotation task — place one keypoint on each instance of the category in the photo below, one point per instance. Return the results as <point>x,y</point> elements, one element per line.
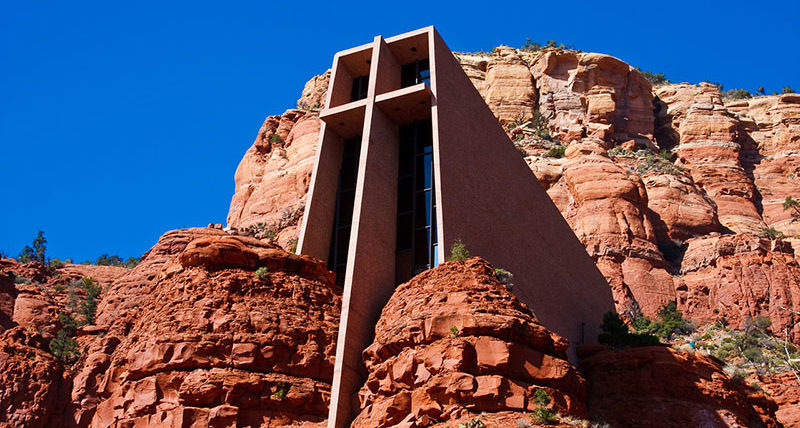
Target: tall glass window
<point>343,214</point>
<point>359,91</point>
<point>416,203</point>
<point>415,72</point>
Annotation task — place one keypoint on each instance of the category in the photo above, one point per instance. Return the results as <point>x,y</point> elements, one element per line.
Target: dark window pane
<point>408,75</point>
<point>342,245</point>
<point>405,190</point>
<point>406,158</point>
<point>422,209</point>
<point>421,248</point>
<point>404,232</point>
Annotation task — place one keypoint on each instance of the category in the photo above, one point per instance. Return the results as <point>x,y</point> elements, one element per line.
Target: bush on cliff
<point>617,335</point>
<point>670,321</point>
<point>737,94</point>
<point>458,252</point>
<point>37,252</point>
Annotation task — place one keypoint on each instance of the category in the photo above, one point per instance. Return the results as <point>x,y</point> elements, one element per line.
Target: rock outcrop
<point>784,390</point>
<point>274,176</point>
<point>740,277</point>
<point>208,343</point>
<point>659,387</point>
<point>31,383</point>
<point>452,342</point>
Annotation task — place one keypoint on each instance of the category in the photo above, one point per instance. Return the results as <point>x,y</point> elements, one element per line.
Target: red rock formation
<point>740,277</point>
<point>273,177</point>
<point>784,389</point>
<point>710,148</point>
<point>609,214</point>
<point>207,342</point>
<point>31,390</point>
<point>659,387</point>
<point>453,341</point>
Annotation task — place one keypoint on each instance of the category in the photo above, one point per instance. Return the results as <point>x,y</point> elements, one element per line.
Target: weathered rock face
<point>31,384</point>
<point>509,87</point>
<point>207,343</point>
<point>784,389</point>
<point>740,277</point>
<point>657,386</point>
<point>273,177</point>
<point>609,213</point>
<point>710,149</point>
<point>453,341</point>
<point>596,95</point>
<point>772,124</point>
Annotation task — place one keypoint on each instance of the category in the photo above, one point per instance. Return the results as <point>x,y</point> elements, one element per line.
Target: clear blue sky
<point>122,120</point>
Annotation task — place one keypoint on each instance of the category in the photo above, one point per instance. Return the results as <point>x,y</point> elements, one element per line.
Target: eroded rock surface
<point>210,344</point>
<point>659,387</point>
<point>452,342</point>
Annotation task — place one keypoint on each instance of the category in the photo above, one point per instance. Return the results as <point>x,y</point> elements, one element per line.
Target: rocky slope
<point>453,341</point>
<point>725,170</point>
<point>190,337</point>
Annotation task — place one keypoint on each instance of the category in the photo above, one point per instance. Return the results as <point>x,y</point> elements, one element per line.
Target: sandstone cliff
<point>724,168</point>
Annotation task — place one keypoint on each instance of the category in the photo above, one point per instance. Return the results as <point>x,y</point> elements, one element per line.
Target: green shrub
<point>36,252</point>
<point>737,94</point>
<point>458,252</point>
<point>55,263</point>
<point>616,334</point>
<point>787,90</point>
<point>542,415</point>
<point>281,389</point>
<point>64,348</point>
<point>505,277</point>
<point>262,273</point>
<point>454,332</point>
<point>670,322</point>
<point>654,78</point>
<point>263,231</point>
<point>88,307</point>
<point>761,90</point>
<point>792,204</point>
<point>557,151</point>
<point>293,245</point>
<point>276,139</point>
<point>106,260</point>
<point>771,233</point>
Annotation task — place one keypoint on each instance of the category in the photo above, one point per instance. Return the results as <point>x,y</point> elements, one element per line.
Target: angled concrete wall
<point>489,198</point>
<point>486,196</point>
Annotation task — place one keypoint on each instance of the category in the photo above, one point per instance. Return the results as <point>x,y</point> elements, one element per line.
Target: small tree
<point>64,348</point>
<point>772,234</point>
<point>761,90</point>
<point>458,252</point>
<point>787,90</point>
<point>88,307</point>
<point>106,260</point>
<point>543,415</point>
<point>37,252</point>
<point>793,205</point>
